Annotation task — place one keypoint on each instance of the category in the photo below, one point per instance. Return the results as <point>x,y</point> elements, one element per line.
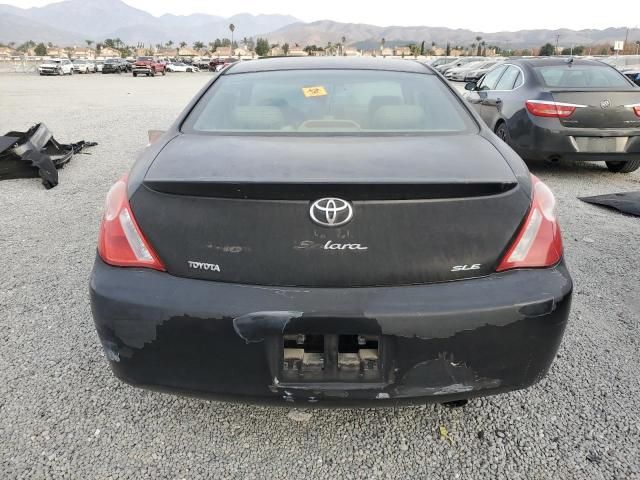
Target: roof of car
<point>327,63</point>
<point>554,61</point>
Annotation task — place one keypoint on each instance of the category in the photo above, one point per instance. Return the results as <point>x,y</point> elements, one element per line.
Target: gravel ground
<point>63,414</point>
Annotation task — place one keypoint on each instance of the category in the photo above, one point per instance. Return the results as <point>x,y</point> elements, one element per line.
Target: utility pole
<point>557,40</point>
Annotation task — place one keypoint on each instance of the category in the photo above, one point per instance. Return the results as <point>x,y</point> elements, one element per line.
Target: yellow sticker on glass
<point>314,91</point>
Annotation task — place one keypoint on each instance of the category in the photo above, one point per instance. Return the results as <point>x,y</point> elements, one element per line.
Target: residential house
<point>84,53</point>
<point>297,51</point>
<point>276,51</point>
<point>351,52</point>
<point>402,51</point>
<point>107,52</point>
<point>387,52</point>
<point>222,52</point>
<point>6,52</point>
<point>57,52</point>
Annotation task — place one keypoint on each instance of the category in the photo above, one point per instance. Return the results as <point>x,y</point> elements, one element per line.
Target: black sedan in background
<point>330,231</point>
<point>562,108</point>
<point>114,65</point>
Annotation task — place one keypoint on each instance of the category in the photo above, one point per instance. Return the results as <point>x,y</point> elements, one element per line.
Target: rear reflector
<point>539,243</point>
<point>121,242</point>
<point>542,108</point>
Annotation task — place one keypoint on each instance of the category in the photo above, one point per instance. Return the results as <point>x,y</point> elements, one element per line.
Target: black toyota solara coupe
<point>330,232</point>
<point>562,109</point>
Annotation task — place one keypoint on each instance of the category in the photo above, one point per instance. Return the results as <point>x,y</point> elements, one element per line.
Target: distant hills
<point>369,36</point>
<point>71,22</point>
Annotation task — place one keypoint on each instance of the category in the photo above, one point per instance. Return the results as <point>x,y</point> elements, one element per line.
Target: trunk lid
<point>604,108</point>
<point>237,209</point>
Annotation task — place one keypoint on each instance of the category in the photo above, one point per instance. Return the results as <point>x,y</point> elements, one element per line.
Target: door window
<point>490,80</point>
<point>508,79</point>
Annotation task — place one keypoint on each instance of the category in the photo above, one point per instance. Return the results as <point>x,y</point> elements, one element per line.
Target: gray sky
<point>473,14</point>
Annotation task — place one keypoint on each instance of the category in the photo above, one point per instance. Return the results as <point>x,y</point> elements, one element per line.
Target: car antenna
<point>569,60</point>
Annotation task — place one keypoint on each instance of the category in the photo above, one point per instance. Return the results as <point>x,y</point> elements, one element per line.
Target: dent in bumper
<point>446,341</point>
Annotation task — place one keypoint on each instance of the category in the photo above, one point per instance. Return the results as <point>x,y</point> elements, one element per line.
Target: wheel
<point>189,70</point>
<point>135,74</point>
<point>502,132</point>
<point>624,167</point>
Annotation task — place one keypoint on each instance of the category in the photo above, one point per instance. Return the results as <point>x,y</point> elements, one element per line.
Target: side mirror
<point>471,86</point>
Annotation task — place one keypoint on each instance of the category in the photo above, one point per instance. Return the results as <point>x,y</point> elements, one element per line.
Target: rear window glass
<point>347,102</point>
<point>581,76</point>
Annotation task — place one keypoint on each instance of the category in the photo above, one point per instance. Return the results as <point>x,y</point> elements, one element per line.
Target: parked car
<point>99,65</point>
<point>219,64</point>
<point>443,69</point>
<point>555,108</point>
<point>202,63</point>
<point>113,65</point>
<point>83,66</point>
<point>56,66</point>
<point>457,74</point>
<point>181,67</point>
<point>148,66</point>
<point>623,62</point>
<point>633,75</point>
<point>302,269</point>
<point>475,74</point>
<point>436,62</point>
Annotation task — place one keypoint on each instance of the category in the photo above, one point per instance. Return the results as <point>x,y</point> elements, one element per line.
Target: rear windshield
<point>347,102</point>
<point>581,76</point>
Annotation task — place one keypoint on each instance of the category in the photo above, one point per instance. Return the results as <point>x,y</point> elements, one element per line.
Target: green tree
<point>198,45</point>
<point>89,43</point>
<point>169,44</point>
<point>183,44</point>
<point>422,48</point>
<point>262,47</point>
<point>285,49</point>
<point>479,51</point>
<point>41,49</point>
<point>448,50</point>
<point>109,42</point>
<point>547,50</point>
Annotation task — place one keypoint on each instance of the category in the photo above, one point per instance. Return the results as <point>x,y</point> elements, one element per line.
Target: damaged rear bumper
<point>421,343</point>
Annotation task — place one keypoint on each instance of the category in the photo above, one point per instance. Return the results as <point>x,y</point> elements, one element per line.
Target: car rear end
<point>50,68</point>
<point>584,111</point>
<point>410,259</point>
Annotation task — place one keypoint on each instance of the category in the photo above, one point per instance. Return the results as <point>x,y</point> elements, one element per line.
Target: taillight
<point>635,107</point>
<point>538,243</point>
<point>542,108</point>
<point>121,242</point>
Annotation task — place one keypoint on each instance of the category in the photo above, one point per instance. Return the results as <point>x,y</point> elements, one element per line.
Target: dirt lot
<point>63,414</point>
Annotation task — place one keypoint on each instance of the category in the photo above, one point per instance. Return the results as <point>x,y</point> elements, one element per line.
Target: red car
<point>148,66</point>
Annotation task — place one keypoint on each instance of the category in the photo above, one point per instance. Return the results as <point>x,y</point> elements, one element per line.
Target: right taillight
<point>635,107</point>
<point>539,243</point>
<point>543,108</point>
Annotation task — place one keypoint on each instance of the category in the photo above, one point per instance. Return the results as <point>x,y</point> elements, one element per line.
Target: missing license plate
<point>331,358</point>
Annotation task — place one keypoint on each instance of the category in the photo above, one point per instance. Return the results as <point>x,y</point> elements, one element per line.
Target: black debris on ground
<point>627,202</point>
<point>36,153</point>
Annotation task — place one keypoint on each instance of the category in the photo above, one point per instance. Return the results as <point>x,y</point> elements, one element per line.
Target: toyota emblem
<point>331,212</point>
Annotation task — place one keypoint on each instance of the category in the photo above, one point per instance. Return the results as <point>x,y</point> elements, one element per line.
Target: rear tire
<point>135,74</point>
<point>502,132</point>
<point>624,167</point>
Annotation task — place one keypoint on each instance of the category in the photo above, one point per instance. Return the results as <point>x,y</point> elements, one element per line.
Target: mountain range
<point>70,22</point>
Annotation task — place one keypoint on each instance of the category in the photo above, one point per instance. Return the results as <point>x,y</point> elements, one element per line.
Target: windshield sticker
<point>314,91</point>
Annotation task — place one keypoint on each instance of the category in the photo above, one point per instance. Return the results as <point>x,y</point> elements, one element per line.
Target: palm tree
<point>478,38</point>
<point>169,43</point>
<point>89,43</point>
<point>344,41</point>
<point>382,42</point>
<point>232,27</point>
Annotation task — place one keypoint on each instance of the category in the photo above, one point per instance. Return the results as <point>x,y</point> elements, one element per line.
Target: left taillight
<point>543,108</point>
<point>121,242</point>
<point>538,243</point>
